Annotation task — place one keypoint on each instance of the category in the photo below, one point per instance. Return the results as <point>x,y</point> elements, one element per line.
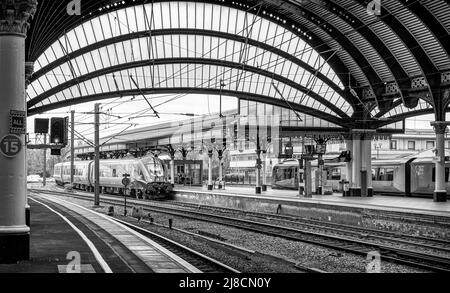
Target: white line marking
<point>164,251</point>
<point>91,245</point>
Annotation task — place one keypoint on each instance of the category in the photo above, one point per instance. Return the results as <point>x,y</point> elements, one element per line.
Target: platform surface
<point>51,240</point>
<point>104,246</point>
<point>381,202</point>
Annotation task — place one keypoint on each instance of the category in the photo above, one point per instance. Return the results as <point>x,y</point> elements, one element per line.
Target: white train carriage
<point>389,176</point>
<point>146,175</point>
<point>423,180</point>
<point>410,176</point>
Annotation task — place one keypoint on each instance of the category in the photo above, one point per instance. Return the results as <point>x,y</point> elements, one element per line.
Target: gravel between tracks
<point>308,255</point>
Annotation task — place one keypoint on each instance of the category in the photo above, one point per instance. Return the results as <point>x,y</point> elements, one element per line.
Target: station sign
<point>17,122</point>
<point>126,181</point>
<point>10,145</point>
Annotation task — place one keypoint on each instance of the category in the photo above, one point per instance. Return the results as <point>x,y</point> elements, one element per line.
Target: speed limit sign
<point>10,145</point>
<point>126,181</point>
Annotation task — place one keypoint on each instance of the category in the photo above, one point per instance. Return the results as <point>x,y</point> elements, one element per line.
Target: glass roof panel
<point>184,74</point>
<point>173,14</point>
<point>128,51</point>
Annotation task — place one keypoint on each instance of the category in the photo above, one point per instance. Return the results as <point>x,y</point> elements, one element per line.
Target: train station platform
<point>421,216</point>
<point>393,203</point>
<point>69,238</point>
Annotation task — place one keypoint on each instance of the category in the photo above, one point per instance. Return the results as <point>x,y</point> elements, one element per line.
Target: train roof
<point>111,161</point>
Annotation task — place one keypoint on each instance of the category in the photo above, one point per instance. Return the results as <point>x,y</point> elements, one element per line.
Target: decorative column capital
<point>440,127</point>
<point>29,70</point>
<point>363,134</point>
<point>15,16</point>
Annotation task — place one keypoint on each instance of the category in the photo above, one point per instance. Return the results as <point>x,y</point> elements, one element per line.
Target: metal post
<point>210,154</point>
<point>72,146</point>
<point>172,170</point>
<point>258,171</point>
<point>220,157</point>
<point>308,179</point>
<point>97,156</point>
<point>44,181</point>
<point>319,189</point>
<point>264,175</point>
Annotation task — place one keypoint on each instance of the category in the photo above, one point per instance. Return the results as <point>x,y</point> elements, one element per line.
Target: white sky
<point>136,112</point>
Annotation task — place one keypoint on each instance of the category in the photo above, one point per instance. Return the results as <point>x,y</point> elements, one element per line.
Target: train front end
<point>157,186</point>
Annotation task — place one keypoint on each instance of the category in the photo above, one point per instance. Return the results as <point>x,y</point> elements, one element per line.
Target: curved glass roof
<point>190,45</point>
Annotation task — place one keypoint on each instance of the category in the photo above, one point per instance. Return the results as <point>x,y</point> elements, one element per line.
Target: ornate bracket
<point>15,16</point>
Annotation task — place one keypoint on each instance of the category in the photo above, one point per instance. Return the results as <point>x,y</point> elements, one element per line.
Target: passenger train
<point>147,176</point>
<point>409,176</point>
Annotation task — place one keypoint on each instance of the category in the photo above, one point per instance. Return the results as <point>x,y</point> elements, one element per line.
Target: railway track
<point>195,258</point>
<point>340,242</point>
<point>339,229</point>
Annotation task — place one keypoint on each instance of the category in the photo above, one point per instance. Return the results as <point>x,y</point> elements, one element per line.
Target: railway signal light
<point>58,131</point>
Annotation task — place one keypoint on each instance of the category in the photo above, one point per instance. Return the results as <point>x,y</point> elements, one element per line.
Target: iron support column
<point>97,156</point>
<point>14,233</point>
<point>220,157</point>
<point>367,164</point>
<point>349,165</point>
<point>72,145</point>
<point>258,172</point>
<point>172,170</point>
<point>355,189</point>
<point>44,181</point>
<point>319,188</point>
<point>440,191</point>
<point>210,155</point>
<point>264,175</point>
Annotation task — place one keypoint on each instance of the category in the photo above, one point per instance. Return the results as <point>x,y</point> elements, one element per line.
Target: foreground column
<point>355,189</point>
<point>440,192</point>
<point>14,233</point>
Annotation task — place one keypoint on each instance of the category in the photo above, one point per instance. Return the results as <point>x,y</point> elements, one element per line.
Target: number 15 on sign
<point>10,145</point>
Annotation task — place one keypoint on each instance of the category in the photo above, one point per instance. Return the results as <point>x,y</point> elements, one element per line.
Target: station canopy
<point>343,61</point>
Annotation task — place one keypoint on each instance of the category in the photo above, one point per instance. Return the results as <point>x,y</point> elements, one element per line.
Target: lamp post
<point>125,182</point>
<point>377,146</point>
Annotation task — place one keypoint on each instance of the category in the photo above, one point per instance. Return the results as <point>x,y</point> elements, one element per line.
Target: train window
<point>433,176</point>
<point>335,174</point>
<point>381,174</point>
<point>374,175</point>
<point>389,175</point>
<point>114,173</point>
